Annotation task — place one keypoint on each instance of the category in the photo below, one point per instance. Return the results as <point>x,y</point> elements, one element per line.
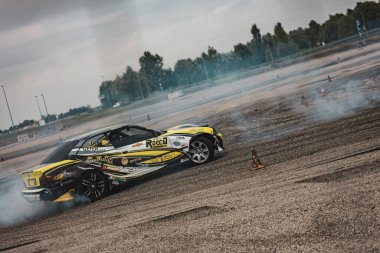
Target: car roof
<point>96,132</point>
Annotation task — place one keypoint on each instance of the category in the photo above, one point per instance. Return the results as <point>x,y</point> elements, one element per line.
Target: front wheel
<point>201,150</point>
<point>93,185</point>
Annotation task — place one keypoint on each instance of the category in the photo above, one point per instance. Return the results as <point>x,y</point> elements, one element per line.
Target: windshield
<point>60,153</point>
<point>183,126</point>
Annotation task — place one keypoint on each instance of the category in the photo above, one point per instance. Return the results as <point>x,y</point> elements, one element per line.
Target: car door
<point>131,138</point>
<point>142,146</point>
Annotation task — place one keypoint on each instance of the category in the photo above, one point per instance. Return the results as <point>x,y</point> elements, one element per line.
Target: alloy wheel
<point>93,185</point>
<point>199,152</point>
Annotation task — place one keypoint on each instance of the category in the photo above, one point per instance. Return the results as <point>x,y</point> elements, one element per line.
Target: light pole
<point>146,82</point>
<point>364,25</point>
<point>107,93</point>
<point>270,51</point>
<point>43,98</point>
<point>9,110</point>
<point>39,108</point>
<point>138,81</point>
<point>204,68</point>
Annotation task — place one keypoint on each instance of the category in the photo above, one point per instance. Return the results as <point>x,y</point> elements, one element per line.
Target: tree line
<point>135,85</point>
<point>48,118</point>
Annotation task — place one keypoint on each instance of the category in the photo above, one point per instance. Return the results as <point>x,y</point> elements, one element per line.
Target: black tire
<point>201,150</point>
<point>93,185</point>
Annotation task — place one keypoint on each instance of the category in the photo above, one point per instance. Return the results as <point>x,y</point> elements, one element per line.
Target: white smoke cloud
<point>337,102</point>
<point>14,209</point>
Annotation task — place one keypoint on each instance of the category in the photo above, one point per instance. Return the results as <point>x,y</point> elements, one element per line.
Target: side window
<point>98,143</point>
<point>128,136</point>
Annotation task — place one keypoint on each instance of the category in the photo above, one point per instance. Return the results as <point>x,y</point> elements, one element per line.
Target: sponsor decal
<point>124,161</point>
<point>106,159</point>
<point>184,160</point>
<point>168,157</point>
<point>164,158</point>
<point>135,160</point>
<point>59,176</point>
<point>180,138</point>
<point>136,145</point>
<point>157,143</point>
<point>112,168</point>
<point>89,148</point>
<point>176,143</point>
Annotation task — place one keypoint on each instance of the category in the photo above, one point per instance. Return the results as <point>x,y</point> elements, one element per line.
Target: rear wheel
<point>201,150</point>
<point>93,185</point>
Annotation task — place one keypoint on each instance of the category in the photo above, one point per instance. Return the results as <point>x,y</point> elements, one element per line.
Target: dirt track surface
<point>319,192</point>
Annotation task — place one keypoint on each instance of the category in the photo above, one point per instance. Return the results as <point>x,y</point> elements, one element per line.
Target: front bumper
<point>219,143</point>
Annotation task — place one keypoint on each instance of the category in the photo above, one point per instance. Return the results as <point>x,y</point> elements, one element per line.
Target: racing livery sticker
<point>124,161</point>
<point>157,143</point>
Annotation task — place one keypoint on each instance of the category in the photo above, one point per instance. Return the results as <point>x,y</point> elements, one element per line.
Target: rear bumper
<point>35,194</point>
<point>46,194</point>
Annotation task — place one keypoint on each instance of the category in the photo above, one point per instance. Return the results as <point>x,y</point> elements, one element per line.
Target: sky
<point>63,48</point>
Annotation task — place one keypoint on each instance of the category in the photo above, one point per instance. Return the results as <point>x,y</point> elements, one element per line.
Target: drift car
<point>90,165</point>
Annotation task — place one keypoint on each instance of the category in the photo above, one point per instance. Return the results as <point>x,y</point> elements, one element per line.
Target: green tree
<point>107,94</point>
<point>188,71</point>
<point>301,38</point>
<point>330,29</point>
<point>346,26</point>
<point>279,34</point>
<point>284,46</point>
<point>313,33</point>
<point>49,118</point>
<point>169,79</point>
<point>151,70</point>
<point>270,52</point>
<point>129,87</point>
<point>257,46</point>
<point>368,13</point>
<point>75,111</point>
<point>209,61</point>
<point>243,54</point>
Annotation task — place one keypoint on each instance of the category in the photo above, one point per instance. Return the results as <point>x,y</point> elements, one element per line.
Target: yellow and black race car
<point>91,164</point>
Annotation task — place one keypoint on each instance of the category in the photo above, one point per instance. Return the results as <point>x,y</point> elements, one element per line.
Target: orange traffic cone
<point>256,163</point>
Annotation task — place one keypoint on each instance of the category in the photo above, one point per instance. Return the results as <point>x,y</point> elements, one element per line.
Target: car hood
<point>189,130</point>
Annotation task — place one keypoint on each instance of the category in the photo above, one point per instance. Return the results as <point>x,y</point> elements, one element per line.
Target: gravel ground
<point>319,191</point>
